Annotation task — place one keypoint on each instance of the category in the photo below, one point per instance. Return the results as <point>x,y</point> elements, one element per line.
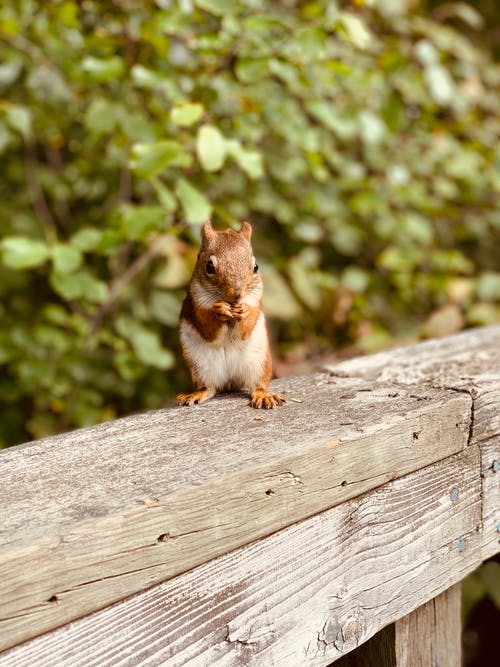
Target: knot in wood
<point>351,631</point>
<point>345,632</point>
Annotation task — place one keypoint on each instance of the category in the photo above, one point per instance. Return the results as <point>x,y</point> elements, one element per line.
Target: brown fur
<point>206,321</point>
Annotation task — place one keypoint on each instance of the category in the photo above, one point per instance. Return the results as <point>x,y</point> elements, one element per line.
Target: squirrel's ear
<point>246,230</point>
<point>207,231</point>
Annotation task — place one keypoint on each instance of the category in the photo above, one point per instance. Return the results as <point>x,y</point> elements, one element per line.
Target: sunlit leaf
<point>440,84</point>
<point>195,205</point>
<point>79,285</point>
<point>186,114</point>
<point>19,118</point>
<point>20,252</point>
<point>356,30</point>
<point>139,221</point>
<point>86,239</point>
<point>165,307</point>
<point>210,148</point>
<point>217,7</point>
<point>103,69</point>
<point>146,343</point>
<point>150,159</point>
<point>250,161</point>
<point>66,258</point>
<point>103,116</point>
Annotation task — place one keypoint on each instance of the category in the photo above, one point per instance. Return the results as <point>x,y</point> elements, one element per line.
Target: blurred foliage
<point>480,19</point>
<point>485,581</point>
<point>362,141</point>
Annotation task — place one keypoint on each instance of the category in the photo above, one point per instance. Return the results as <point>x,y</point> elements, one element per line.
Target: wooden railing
<point>222,535</point>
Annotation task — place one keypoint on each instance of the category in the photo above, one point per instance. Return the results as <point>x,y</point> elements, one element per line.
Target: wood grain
<point>452,361</point>
<point>431,635</point>
<point>468,362</point>
<point>306,595</point>
<point>101,513</point>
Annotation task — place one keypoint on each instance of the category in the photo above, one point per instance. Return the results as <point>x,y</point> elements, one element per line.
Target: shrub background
<point>362,142</point>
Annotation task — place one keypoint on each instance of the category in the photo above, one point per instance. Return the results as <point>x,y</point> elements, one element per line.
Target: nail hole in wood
<point>269,492</point>
<point>164,537</point>
<point>344,483</point>
<point>53,598</point>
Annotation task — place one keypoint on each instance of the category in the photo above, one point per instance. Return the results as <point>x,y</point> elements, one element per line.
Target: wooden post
<point>431,636</point>
<point>428,637</point>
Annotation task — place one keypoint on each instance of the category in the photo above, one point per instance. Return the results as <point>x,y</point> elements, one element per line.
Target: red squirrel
<point>222,327</point>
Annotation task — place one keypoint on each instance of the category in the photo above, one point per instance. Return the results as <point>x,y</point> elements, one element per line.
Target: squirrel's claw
<point>240,311</point>
<point>261,399</point>
<point>223,311</point>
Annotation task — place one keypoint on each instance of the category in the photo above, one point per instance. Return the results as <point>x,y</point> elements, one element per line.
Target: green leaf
<point>69,286</point>
<point>373,128</point>
<point>103,116</point>
<point>210,148</point>
<point>394,258</point>
<point>146,343</point>
<point>146,78</point>
<point>440,84</point>
<point>150,159</point>
<point>9,72</point>
<point>355,279</point>
<point>356,30</point>
<point>165,307</point>
<point>66,258</point>
<point>79,285</point>
<point>195,205</point>
<point>312,44</point>
<point>139,221</point>
<point>304,284</point>
<point>488,286</point>
<point>279,301</point>
<point>217,7</point>
<point>249,161</point>
<point>252,70</point>
<point>47,85</point>
<point>21,252</point>
<point>86,239</point>
<point>164,195</point>
<point>186,114</point>
<point>103,69</point>
<point>19,118</point>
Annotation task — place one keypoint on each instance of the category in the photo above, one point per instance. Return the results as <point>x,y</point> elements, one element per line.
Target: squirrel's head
<point>226,268</point>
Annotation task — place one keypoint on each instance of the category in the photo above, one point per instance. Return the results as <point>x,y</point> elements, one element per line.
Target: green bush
<point>362,143</point>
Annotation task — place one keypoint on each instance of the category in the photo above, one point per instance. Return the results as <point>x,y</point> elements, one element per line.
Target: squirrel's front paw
<point>262,399</point>
<point>240,311</point>
<point>223,311</point>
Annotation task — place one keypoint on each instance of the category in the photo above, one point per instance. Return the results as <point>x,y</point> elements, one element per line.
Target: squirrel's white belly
<point>227,362</point>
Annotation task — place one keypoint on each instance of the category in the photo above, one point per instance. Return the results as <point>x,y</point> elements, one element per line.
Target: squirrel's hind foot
<point>262,399</point>
<point>195,398</point>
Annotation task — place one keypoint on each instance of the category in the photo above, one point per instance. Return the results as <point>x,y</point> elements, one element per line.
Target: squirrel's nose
<point>237,295</point>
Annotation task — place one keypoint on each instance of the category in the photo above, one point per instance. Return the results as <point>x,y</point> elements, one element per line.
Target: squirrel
<point>222,327</point>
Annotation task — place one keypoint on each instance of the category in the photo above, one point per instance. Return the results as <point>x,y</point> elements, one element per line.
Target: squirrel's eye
<point>210,268</point>
<point>255,268</point>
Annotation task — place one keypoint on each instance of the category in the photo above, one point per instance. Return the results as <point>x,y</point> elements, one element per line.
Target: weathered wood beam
<point>101,513</point>
<point>98,514</point>
<point>468,362</point>
<point>306,595</point>
<point>92,503</point>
